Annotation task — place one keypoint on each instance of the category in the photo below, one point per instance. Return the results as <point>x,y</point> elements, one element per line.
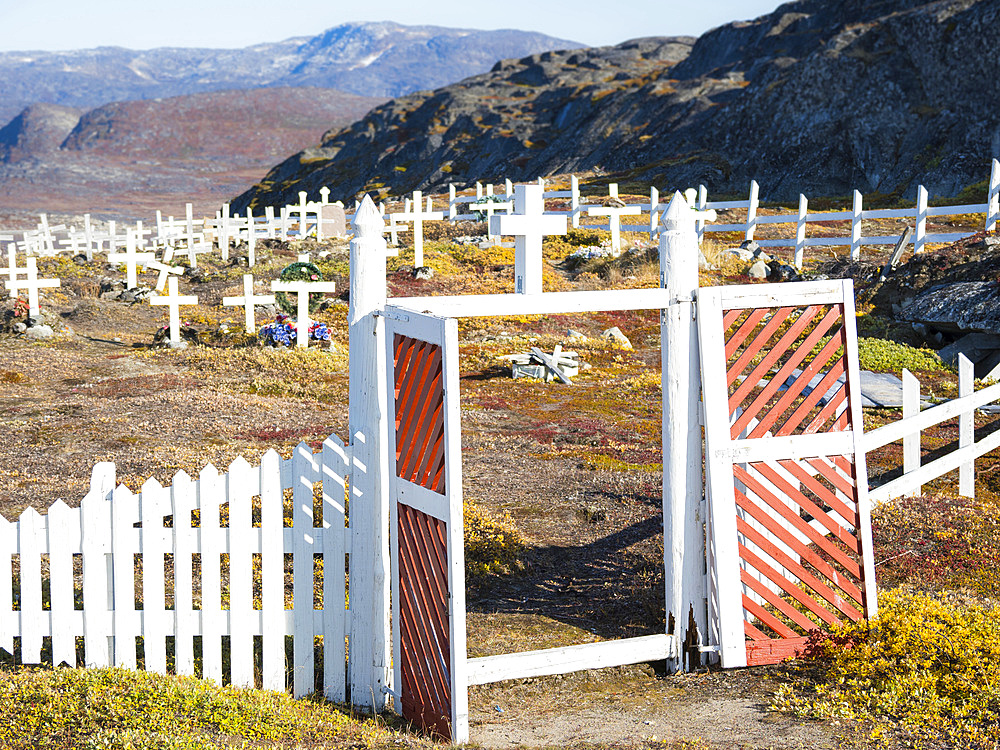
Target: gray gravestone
<point>334,221</point>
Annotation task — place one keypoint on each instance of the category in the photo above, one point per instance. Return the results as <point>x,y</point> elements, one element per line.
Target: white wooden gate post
<point>368,429</point>
<point>683,538</point>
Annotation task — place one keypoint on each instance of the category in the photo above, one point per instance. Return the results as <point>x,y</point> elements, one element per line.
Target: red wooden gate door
<point>425,486</point>
<point>790,548</point>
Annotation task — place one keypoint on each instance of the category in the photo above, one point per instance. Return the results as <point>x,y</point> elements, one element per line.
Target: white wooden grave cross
<point>491,207</point>
<point>303,208</point>
<point>75,242</point>
<point>395,225</point>
<point>324,195</point>
<point>131,258</point>
<point>173,301</point>
<point>418,216</point>
<point>32,283</point>
<point>302,288</point>
<point>251,239</point>
<point>614,214</point>
<point>162,270</point>
<point>249,301</point>
<point>11,271</point>
<point>528,224</point>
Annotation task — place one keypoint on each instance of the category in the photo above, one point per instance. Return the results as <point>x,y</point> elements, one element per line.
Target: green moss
<point>882,355</point>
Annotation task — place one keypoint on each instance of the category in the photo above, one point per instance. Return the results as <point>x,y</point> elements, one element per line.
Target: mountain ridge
<point>400,59</point>
<point>815,97</point>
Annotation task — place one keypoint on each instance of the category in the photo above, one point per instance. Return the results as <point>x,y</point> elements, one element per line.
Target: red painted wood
<point>419,413</point>
<point>425,658</point>
<point>772,651</point>
<point>740,334</point>
<point>753,347</point>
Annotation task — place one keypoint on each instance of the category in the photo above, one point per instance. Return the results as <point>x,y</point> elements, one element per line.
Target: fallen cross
<point>538,364</point>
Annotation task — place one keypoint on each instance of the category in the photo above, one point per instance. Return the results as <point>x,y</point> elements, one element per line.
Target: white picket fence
<point>914,421</point>
<point>198,571</point>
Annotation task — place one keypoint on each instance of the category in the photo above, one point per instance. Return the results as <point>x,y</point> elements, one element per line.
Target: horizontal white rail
<point>549,661</point>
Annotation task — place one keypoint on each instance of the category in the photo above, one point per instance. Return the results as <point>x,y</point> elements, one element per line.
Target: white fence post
<point>183,500</point>
<point>154,612</point>
<point>911,443</point>
<point>993,198</point>
<point>98,587</point>
<point>966,427</point>
<point>368,429</point>
<point>920,233</point>
<point>701,205</point>
<point>574,201</point>
<point>856,227</point>
<point>752,204</point>
<point>800,232</point>
<point>452,205</point>
<point>654,213</point>
<point>683,536</point>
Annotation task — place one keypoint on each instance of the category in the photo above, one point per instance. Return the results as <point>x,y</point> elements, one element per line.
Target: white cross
<point>395,225</point>
<point>302,287</point>
<point>131,258</point>
<point>249,300</point>
<point>303,208</point>
<point>528,224</point>
<point>324,195</point>
<point>195,242</point>
<point>32,283</point>
<point>162,269</point>
<point>614,214</point>
<point>251,239</point>
<point>173,301</point>
<point>11,271</point>
<point>491,206</point>
<point>418,217</point>
<point>76,242</point>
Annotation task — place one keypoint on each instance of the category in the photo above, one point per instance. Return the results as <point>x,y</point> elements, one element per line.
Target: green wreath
<point>299,271</point>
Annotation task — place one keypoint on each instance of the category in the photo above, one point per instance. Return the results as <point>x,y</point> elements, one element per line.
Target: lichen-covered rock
<point>965,306</point>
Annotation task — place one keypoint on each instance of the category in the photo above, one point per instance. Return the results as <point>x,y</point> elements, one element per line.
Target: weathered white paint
<point>368,428</point>
<point>131,258</point>
<point>683,545</point>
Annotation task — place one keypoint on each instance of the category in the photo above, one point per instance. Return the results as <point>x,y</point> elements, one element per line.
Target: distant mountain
<point>817,97</point>
<point>131,158</point>
<point>368,59</point>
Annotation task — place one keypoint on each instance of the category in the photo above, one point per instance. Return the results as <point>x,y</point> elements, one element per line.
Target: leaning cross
<point>248,301</point>
<point>32,283</point>
<point>614,214</point>
<point>528,224</point>
<point>162,270</point>
<point>131,258</point>
<point>173,301</point>
<point>418,216</point>
<point>302,288</point>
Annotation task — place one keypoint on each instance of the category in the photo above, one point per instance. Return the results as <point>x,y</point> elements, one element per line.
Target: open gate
<point>790,546</point>
<point>425,522</point>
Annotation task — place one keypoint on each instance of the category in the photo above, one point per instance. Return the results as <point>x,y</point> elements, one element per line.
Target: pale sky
<point>138,24</point>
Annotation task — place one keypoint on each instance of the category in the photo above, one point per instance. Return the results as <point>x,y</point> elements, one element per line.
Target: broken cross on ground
<point>538,364</point>
<point>173,301</point>
<point>528,224</point>
<point>249,301</point>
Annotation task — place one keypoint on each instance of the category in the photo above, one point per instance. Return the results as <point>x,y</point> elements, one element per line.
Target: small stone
<point>615,334</point>
<point>575,335</point>
<point>39,333</point>
<point>19,326</point>
<point>991,240</point>
<point>739,252</point>
<point>750,246</point>
<point>703,262</point>
<point>759,270</point>
<point>782,271</point>
<point>423,273</point>
<point>759,254</point>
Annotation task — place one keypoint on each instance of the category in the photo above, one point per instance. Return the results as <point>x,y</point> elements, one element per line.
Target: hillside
<point>130,158</point>
<point>876,94</point>
<point>369,59</point>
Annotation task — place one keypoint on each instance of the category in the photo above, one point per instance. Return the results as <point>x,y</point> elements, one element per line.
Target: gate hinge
<point>393,316</point>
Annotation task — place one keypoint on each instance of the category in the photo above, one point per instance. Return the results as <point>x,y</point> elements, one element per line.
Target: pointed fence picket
<point>166,577</point>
